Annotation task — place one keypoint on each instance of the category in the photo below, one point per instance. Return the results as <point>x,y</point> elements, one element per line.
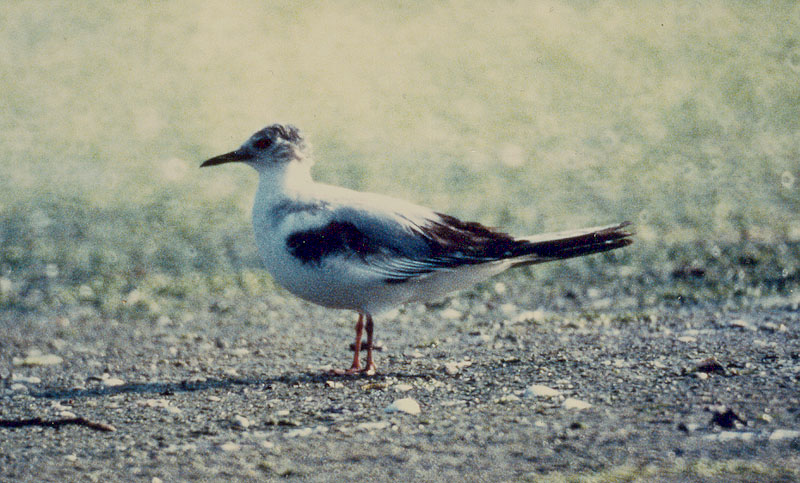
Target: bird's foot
<point>355,370</point>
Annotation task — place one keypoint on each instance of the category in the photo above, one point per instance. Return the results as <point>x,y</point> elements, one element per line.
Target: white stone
<point>37,359</point>
<point>112,381</point>
<point>241,422</point>
<point>780,434</point>
<point>173,410</point>
<point>6,286</point>
<point>299,433</point>
<point>539,390</point>
<point>742,324</point>
<point>572,403</point>
<point>230,446</point>
<point>25,379</point>
<point>406,405</point>
<point>508,398</point>
<point>729,436</point>
<point>451,314</point>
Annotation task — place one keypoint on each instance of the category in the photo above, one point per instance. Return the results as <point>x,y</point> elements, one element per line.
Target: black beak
<point>232,157</point>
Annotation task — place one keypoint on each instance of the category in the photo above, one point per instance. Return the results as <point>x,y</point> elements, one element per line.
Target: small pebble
<point>230,446</point>
<point>451,368</point>
<point>688,427</point>
<point>25,379</point>
<point>6,286</point>
<point>36,358</point>
<point>451,314</point>
<point>530,316</point>
<point>173,410</point>
<point>539,390</point>
<point>571,403</point>
<point>403,387</point>
<point>508,398</point>
<point>406,405</point>
<point>241,422</point>
<point>112,381</point>
<point>742,324</point>
<point>780,434</point>
<point>729,436</point>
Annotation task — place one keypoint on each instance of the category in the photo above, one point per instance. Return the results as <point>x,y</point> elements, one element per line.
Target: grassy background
<point>535,116</point>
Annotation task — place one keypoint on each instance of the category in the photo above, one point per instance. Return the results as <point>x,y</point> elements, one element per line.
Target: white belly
<point>348,283</point>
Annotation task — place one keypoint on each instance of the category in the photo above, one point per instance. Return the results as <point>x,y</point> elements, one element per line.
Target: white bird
<point>367,252</point>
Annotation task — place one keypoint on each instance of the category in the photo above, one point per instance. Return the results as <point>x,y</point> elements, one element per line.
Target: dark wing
<point>398,247</point>
<point>398,241</point>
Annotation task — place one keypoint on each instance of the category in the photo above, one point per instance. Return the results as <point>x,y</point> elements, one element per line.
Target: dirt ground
<point>511,382</point>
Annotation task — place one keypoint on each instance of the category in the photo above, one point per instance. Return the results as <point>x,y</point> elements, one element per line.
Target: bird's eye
<point>263,143</point>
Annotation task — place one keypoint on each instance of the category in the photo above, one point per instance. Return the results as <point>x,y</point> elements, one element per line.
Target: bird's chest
<point>313,280</point>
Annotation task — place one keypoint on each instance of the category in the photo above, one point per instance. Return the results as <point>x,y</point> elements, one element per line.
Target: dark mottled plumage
<point>335,238</point>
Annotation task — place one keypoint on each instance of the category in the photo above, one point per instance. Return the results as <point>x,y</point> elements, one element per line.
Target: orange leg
<point>370,367</point>
<point>356,367</point>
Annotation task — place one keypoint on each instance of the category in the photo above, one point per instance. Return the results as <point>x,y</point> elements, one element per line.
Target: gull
<point>368,252</point>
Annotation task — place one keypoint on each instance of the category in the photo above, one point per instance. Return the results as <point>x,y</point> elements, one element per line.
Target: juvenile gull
<point>367,252</point>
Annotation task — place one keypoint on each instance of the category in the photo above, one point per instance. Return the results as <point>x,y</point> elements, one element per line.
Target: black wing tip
<point>585,242</point>
<point>619,228</point>
<point>618,232</point>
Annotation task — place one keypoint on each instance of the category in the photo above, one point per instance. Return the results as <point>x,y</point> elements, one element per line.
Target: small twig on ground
<point>55,423</point>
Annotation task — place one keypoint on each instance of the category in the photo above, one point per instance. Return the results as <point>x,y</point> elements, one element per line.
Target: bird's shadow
<point>169,388</point>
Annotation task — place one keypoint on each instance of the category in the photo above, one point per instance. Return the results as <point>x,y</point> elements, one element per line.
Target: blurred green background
<point>683,117</point>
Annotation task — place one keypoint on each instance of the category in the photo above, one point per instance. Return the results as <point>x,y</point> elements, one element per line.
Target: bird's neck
<point>290,182</point>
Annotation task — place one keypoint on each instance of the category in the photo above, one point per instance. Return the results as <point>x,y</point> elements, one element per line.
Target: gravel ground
<point>589,385</point>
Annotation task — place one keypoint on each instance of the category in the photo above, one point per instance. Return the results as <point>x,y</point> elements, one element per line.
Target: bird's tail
<point>574,243</point>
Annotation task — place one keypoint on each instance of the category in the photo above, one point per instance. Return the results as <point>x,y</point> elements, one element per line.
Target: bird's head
<point>273,146</point>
